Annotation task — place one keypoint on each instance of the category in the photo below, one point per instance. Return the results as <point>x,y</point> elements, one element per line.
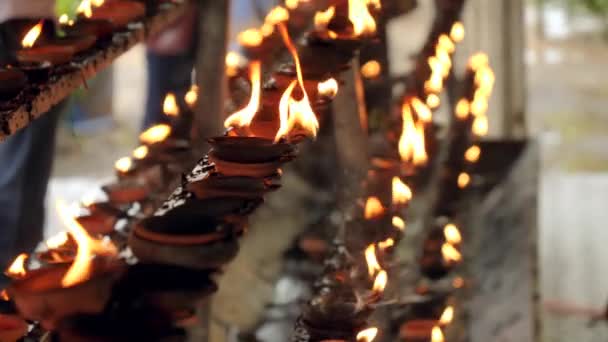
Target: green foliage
<point>66,6</point>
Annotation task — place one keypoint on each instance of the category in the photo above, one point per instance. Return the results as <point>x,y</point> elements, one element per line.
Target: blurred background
<point>552,57</point>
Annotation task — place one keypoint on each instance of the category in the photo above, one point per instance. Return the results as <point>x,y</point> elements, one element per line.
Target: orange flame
<point>155,134</point>
<point>170,107</point>
<point>447,316</point>
<point>124,164</point>
<point>32,35</point>
<point>433,101</point>
<point>80,270</point>
<point>322,19</point>
<point>328,88</point>
<point>380,282</point>
<point>359,16</point>
<point>277,15</point>
<point>292,4</point>
<point>457,33</point>
<point>424,113</point>
<point>373,208</point>
<point>399,223</point>
<point>402,193</point>
<point>437,335</point>
<point>64,19</point>
<point>295,113</point>
<point>373,265</point>
<point>480,126</point>
<point>367,335</point>
<point>478,60</point>
<point>191,96</point>
<point>386,244</point>
<point>233,63</point>
<point>141,152</point>
<point>4,296</point>
<point>250,38</point>
<point>243,117</point>
<point>446,44</point>
<point>462,109</point>
<point>85,8</point>
<point>17,268</point>
<point>464,179</point>
<point>371,69</point>
<point>57,241</point>
<point>450,253</point>
<point>412,147</point>
<point>472,154</point>
<point>452,234</point>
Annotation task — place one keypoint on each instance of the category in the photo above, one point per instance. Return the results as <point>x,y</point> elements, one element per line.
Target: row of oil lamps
<point>35,50</point>
<point>194,232</point>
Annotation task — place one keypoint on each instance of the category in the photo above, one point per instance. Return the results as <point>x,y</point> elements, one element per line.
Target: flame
<point>375,4</point>
<point>373,208</point>
<point>17,268</point>
<point>292,4</point>
<point>363,22</point>
<point>295,113</point>
<point>155,134</point>
<point>367,335</point>
<point>233,63</point>
<point>380,282</point>
<point>464,179</point>
<point>434,83</point>
<point>191,96</point>
<point>32,35</point>
<point>251,38</point>
<point>450,253</point>
<point>480,126</point>
<point>123,164</point>
<point>398,223</point>
<point>462,109</point>
<point>85,8</point>
<point>412,142</point>
<point>478,60</point>
<point>433,101</point>
<point>371,69</point>
<point>64,19</point>
<point>80,270</point>
<point>322,19</point>
<point>277,15</point>
<point>472,154</point>
<point>243,117</point>
<point>328,88</point>
<point>457,33</point>
<point>422,111</point>
<point>57,241</point>
<point>446,44</point>
<point>447,316</point>
<point>452,234</point>
<point>402,193</point>
<point>386,244</point>
<point>437,335</point>
<point>458,282</point>
<point>373,265</point>
<point>141,152</point>
<point>170,107</point>
<point>4,296</point>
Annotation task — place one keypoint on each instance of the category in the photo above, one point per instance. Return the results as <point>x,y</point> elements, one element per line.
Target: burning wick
<point>367,335</point>
<point>373,208</point>
<point>32,35</point>
<point>412,146</point>
<point>373,265</point>
<point>472,154</point>
<point>328,88</point>
<point>244,117</point>
<point>450,253</point>
<point>464,179</point>
<point>380,282</point>
<point>17,269</point>
<point>155,134</point>
<point>80,270</point>
<point>457,33</point>
<point>170,107</point>
<point>363,22</point>
<point>141,152</point>
<point>191,96</point>
<point>371,69</point>
<point>250,38</point>
<point>452,234</point>
<point>402,193</point>
<point>437,335</point>
<point>398,223</point>
<point>295,113</point>
<point>447,316</point>
<point>386,244</point>
<point>124,164</point>
<point>462,109</point>
<point>433,101</point>
<point>233,63</point>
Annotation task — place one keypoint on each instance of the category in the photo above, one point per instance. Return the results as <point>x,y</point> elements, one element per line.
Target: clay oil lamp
<point>60,249</point>
<point>119,13</point>
<point>37,72</point>
<point>100,28</point>
<point>12,326</point>
<point>33,52</point>
<point>168,292</point>
<point>127,191</point>
<point>197,234</point>
<point>100,218</point>
<point>12,82</point>
<point>52,293</point>
<point>421,331</point>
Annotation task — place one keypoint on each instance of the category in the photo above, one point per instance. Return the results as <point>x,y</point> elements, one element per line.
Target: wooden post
<point>210,67</point>
<point>213,25</point>
<point>350,125</point>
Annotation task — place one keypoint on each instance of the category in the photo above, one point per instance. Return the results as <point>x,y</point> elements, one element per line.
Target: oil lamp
<point>31,52</point>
